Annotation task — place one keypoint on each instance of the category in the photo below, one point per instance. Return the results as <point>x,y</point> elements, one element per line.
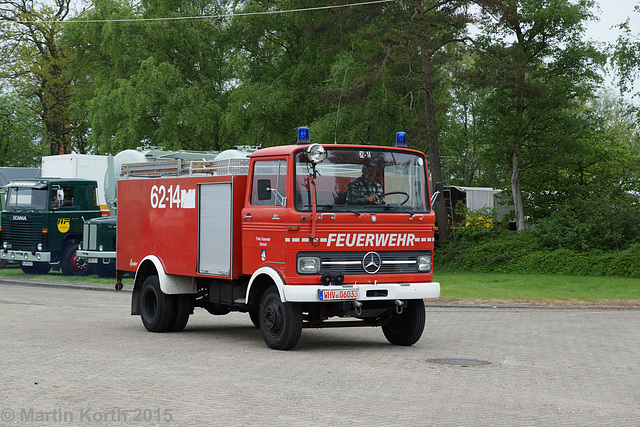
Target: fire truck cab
<point>285,236</point>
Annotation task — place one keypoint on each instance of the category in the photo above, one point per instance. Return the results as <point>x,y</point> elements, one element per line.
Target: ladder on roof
<point>182,167</point>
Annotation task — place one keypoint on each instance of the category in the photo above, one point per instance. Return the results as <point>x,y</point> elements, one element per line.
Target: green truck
<point>43,221</point>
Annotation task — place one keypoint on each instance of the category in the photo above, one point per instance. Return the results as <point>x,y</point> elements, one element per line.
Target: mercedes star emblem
<point>371,262</point>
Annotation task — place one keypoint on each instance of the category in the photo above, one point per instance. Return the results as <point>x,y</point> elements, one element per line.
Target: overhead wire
<point>220,16</point>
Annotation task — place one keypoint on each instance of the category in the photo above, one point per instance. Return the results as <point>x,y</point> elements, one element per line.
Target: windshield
<point>21,199</point>
<point>355,180</point>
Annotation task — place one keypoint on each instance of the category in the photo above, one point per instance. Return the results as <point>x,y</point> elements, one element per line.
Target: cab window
<point>68,201</point>
<point>268,185</point>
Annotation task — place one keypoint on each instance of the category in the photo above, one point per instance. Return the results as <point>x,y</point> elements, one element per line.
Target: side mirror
<point>437,195</point>
<point>264,189</point>
<point>438,191</point>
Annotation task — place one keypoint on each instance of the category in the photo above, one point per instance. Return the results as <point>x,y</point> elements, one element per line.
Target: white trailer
<point>87,166</point>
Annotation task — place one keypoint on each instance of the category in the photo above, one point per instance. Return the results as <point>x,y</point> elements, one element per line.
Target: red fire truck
<point>285,236</point>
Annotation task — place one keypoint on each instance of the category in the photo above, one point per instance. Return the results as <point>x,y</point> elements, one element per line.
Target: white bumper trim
<point>394,291</point>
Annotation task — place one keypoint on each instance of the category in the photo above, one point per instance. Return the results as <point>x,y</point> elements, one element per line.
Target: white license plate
<point>27,263</point>
<point>338,294</point>
<point>92,260</point>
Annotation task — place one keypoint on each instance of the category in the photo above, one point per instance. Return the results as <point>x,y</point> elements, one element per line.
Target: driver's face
<point>369,173</point>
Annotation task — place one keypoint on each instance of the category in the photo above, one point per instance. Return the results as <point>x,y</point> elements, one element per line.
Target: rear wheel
<point>280,322</point>
<point>406,328</point>
<point>36,268</point>
<point>71,265</point>
<point>156,307</point>
<point>182,309</point>
<point>105,270</point>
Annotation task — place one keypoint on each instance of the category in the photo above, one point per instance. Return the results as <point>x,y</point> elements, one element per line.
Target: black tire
<point>156,307</point>
<point>3,263</point>
<point>71,265</point>
<point>105,270</point>
<point>254,315</point>
<point>36,268</point>
<point>280,323</point>
<point>182,309</point>
<point>406,328</point>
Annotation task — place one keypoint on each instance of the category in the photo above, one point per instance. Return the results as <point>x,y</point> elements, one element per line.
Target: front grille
<point>400,262</point>
<point>22,235</point>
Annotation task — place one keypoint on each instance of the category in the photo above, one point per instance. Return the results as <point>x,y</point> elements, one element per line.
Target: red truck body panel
<point>166,225</point>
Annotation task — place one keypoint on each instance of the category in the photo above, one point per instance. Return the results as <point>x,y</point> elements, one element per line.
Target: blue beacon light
<point>401,139</point>
<point>303,135</point>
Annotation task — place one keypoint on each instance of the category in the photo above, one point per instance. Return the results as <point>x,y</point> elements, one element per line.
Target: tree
<point>20,133</point>
<point>538,68</point>
<point>161,83</point>
<point>626,56</point>
<point>280,65</point>
<point>35,63</point>
<point>407,53</point>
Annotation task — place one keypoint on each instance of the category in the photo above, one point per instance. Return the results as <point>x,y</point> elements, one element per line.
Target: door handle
<point>247,216</point>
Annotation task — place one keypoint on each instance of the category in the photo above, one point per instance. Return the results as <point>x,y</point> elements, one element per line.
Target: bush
<point>476,225</point>
<point>592,223</point>
<point>523,253</point>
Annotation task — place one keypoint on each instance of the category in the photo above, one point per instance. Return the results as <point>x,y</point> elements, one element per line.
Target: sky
<point>612,13</point>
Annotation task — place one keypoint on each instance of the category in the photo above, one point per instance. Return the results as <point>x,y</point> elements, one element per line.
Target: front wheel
<point>36,268</point>
<point>406,328</point>
<point>3,263</point>
<point>280,322</point>
<point>71,265</point>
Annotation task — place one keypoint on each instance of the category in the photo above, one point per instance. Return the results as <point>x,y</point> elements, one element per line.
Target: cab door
<point>263,218</point>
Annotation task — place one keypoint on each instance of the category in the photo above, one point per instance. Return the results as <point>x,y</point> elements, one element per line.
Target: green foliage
<point>36,65</point>
<point>20,134</point>
<point>156,83</point>
<point>476,224</point>
<point>596,222</point>
<point>524,253</point>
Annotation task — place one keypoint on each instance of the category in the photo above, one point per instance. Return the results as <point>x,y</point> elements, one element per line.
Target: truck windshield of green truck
<point>27,198</point>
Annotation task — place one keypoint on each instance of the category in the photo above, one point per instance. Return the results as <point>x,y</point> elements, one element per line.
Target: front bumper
<point>12,255</point>
<point>93,256</point>
<point>367,292</point>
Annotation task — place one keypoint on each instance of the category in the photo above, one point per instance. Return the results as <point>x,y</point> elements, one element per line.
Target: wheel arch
<point>260,281</point>
<point>170,284</point>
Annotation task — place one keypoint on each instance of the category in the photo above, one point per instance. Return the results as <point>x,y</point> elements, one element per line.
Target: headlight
<point>316,153</point>
<point>100,248</point>
<point>424,263</point>
<point>39,247</point>
<point>308,265</point>
<point>5,245</point>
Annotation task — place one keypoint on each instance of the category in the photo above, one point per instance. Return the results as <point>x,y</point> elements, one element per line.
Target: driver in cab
<point>364,189</point>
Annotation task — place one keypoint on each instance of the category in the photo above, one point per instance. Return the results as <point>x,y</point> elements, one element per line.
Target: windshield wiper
<point>349,210</point>
<point>341,207</point>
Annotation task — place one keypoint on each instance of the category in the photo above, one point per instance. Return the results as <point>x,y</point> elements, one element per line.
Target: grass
<point>14,270</point>
<point>536,287</point>
<point>539,288</point>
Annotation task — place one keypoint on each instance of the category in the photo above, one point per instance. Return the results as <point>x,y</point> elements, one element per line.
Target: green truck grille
<point>21,235</point>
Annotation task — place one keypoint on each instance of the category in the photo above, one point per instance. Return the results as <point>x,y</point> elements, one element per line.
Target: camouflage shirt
<point>359,189</point>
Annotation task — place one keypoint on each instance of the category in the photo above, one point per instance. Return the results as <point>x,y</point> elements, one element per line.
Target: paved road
<point>76,357</point>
